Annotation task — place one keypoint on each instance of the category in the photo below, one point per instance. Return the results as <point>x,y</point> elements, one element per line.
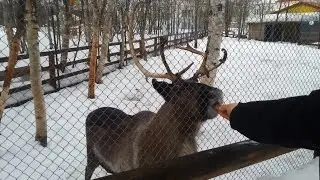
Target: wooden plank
<point>26,87</point>
<point>47,92</point>
<point>206,164</point>
<point>59,51</point>
<point>75,73</point>
<point>21,71</point>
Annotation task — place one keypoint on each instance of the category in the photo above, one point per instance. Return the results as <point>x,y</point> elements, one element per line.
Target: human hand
<point>225,110</point>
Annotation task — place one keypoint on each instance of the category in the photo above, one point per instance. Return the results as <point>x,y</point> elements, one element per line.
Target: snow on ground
<point>254,71</point>
<point>310,172</point>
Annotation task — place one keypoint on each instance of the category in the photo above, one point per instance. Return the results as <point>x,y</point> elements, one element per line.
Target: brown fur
<point>120,142</point>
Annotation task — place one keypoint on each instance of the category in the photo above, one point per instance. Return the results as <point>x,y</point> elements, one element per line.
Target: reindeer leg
<point>92,164</point>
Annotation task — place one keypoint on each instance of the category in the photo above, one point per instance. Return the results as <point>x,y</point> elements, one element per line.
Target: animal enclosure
<point>129,45</point>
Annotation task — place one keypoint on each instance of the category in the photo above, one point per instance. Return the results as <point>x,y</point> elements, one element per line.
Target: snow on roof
<point>283,17</point>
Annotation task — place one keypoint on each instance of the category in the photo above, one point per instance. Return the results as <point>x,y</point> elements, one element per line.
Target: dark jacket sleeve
<point>291,122</point>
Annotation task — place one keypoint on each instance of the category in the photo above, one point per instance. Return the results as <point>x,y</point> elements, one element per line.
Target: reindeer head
<point>199,99</point>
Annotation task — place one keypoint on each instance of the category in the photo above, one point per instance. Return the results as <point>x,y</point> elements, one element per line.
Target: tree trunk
<point>215,28</point>
<point>262,12</point>
<point>274,23</point>
<point>49,29</point>
<point>35,72</point>
<point>106,32</point>
<point>123,43</point>
<point>8,21</point>
<point>97,18</point>
<point>227,17</point>
<point>174,12</point>
<point>58,17</point>
<point>93,62</point>
<point>143,22</point>
<point>196,24</point>
<point>150,21</point>
<point>178,20</point>
<point>244,16</point>
<point>239,18</point>
<point>65,36</point>
<point>14,45</point>
<point>88,26</point>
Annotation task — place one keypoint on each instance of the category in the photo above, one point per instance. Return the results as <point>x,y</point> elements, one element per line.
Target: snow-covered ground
<point>254,71</point>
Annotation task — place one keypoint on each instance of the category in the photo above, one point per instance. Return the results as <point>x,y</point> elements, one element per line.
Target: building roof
<point>286,17</point>
<point>311,4</point>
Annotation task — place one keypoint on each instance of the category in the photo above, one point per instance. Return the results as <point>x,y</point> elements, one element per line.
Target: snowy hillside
<point>254,71</point>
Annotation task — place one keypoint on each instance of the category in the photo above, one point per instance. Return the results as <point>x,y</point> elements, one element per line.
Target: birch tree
<point>123,9</point>
<point>227,16</point>
<point>65,35</point>
<point>87,24</point>
<point>145,8</point>
<point>35,70</point>
<point>49,28</point>
<point>88,31</point>
<point>14,40</point>
<point>243,13</point>
<point>215,27</point>
<point>196,18</point>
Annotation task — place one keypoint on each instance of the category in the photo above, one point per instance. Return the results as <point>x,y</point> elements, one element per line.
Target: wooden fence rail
<point>54,68</point>
<point>206,164</point>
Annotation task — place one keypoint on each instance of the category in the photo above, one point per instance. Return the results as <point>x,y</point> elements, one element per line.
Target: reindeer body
<point>120,142</point>
<point>111,138</point>
<point>132,141</point>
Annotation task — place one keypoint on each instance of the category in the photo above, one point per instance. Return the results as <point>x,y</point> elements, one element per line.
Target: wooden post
<point>140,49</point>
<point>121,61</point>
<point>109,56</point>
<point>155,53</point>
<point>52,71</point>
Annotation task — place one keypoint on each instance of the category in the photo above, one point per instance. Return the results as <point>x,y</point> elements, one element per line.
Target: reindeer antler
<point>163,41</point>
<point>203,70</point>
<point>131,18</point>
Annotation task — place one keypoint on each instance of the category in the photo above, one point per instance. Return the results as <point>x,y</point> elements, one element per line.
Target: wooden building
<point>296,23</point>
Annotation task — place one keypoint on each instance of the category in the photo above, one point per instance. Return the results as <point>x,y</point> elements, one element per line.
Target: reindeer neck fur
<point>175,120</point>
<point>171,133</point>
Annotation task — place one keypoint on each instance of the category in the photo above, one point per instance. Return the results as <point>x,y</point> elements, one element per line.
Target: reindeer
<point>119,142</point>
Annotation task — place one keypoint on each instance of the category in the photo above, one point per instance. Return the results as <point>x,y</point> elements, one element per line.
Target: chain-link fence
<point>270,56</point>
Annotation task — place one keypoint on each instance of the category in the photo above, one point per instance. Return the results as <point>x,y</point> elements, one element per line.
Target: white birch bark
<point>35,69</point>
<point>87,22</point>
<point>65,36</point>
<point>215,27</point>
<point>123,43</point>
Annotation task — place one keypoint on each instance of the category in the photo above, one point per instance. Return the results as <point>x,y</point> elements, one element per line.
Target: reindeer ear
<point>163,88</point>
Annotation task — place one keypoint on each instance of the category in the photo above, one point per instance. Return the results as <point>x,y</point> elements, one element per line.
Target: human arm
<point>290,122</point>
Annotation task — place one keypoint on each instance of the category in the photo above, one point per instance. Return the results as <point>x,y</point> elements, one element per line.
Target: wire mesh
<point>270,56</point>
